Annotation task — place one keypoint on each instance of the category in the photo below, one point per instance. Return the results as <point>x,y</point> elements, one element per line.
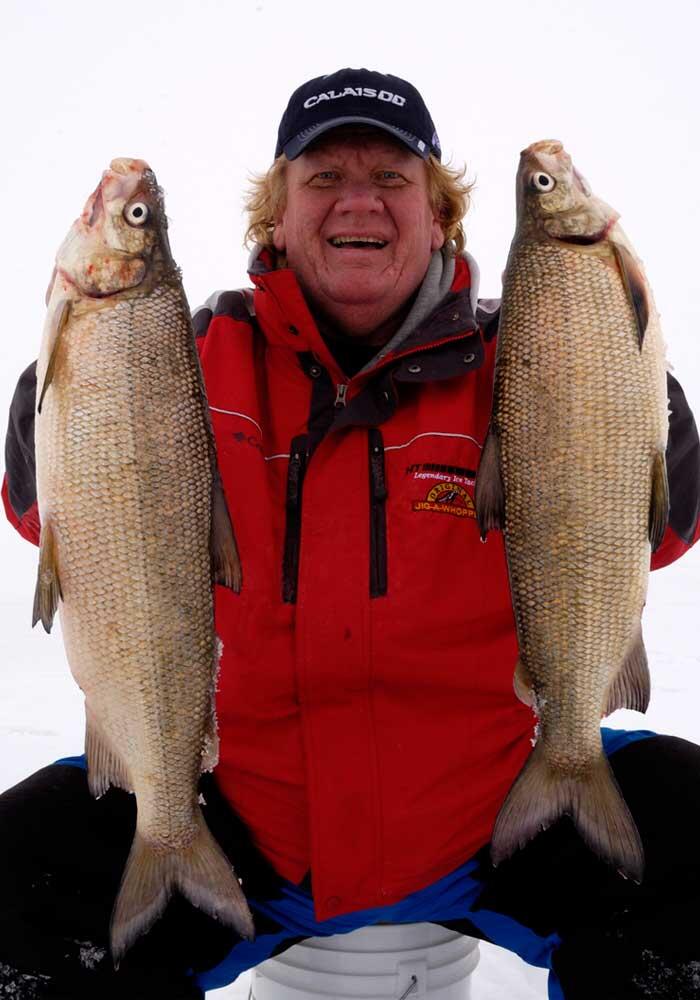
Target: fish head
<point>120,240</point>
<point>555,201</point>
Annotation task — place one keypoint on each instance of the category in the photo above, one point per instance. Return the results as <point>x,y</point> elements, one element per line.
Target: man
<point>369,729</point>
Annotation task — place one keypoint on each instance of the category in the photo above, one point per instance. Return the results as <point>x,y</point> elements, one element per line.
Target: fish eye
<point>137,213</point>
<point>542,182</point>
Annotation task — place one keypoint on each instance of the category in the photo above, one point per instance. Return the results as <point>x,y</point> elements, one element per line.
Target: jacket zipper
<point>292,534</point>
<point>298,461</point>
<point>377,515</point>
<point>341,388</point>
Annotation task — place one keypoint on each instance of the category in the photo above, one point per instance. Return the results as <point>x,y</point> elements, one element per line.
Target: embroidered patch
<point>443,473</point>
<point>447,498</point>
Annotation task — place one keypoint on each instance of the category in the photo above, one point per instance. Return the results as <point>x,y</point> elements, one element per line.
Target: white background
<point>197,89</point>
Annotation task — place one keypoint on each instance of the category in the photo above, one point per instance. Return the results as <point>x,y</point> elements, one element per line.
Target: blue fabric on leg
<point>78,761</point>
<point>616,739</point>
<point>450,898</point>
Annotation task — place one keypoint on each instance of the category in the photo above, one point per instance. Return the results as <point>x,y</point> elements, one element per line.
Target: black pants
<point>62,855</point>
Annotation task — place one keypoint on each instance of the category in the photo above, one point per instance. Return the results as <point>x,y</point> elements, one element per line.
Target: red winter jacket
<point>369,729</point>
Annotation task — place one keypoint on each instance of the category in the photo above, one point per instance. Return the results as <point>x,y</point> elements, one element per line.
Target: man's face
<point>358,228</point>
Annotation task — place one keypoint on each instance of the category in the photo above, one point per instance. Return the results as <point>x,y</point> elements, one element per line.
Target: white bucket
<point>397,961</point>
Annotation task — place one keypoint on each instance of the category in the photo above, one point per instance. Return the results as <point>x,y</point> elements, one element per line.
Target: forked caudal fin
<point>540,796</point>
<point>201,872</point>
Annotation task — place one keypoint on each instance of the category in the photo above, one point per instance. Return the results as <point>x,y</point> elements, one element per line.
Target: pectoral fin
<point>226,563</point>
<point>659,506</point>
<point>48,584</point>
<point>58,324</point>
<point>631,687</point>
<point>635,286</point>
<point>50,286</point>
<point>489,495</point>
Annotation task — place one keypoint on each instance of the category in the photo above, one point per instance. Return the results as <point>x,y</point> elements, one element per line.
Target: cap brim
<point>298,144</point>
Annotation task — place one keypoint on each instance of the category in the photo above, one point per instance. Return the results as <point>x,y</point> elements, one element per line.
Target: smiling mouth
<point>357,242</point>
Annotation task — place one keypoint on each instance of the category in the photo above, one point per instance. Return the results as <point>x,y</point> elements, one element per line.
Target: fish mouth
<point>586,239</point>
<point>582,241</point>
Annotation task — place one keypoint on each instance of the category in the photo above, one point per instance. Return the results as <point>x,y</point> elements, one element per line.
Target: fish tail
<point>204,875</point>
<point>201,872</point>
<point>541,795</point>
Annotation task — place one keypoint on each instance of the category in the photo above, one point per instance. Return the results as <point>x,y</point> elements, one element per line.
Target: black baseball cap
<point>357,96</point>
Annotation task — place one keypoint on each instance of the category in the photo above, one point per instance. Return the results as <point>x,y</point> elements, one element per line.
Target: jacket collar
<point>287,320</point>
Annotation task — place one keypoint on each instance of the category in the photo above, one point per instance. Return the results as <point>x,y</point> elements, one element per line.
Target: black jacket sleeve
<point>683,465</point>
<point>19,487</point>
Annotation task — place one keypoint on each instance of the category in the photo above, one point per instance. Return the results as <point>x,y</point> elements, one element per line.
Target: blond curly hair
<point>448,191</point>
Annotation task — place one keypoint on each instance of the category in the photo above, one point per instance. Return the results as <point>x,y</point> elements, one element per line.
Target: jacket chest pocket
<point>431,515</point>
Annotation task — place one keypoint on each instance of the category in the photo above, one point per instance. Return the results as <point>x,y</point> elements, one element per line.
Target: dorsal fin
<point>58,323</point>
<point>635,286</point>
<point>489,494</point>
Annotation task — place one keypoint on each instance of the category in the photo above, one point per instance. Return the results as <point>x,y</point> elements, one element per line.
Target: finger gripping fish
<point>134,523</point>
<point>573,470</point>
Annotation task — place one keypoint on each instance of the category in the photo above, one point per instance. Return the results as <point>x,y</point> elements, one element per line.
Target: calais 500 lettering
<point>332,95</point>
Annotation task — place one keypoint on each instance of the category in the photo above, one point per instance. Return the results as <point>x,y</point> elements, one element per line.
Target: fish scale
<point>579,421</point>
<point>126,420</point>
<point>133,521</point>
<point>566,501</point>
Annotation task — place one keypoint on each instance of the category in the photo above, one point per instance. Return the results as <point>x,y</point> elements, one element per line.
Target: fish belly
<point>124,478</point>
<point>580,413</point>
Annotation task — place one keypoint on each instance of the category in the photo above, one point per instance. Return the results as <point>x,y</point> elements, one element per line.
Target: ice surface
<point>90,954</point>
